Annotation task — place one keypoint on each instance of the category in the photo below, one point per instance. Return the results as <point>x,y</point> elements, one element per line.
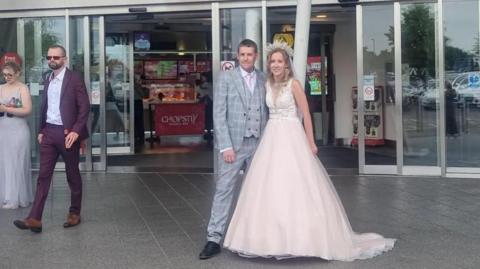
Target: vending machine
<point>373,118</point>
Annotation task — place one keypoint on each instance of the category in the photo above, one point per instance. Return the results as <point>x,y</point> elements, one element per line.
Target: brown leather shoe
<point>30,223</point>
<point>72,220</point>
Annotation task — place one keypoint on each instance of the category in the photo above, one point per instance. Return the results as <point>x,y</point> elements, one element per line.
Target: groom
<point>239,115</point>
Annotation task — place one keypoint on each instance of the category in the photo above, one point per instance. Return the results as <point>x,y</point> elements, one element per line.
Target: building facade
<point>396,81</point>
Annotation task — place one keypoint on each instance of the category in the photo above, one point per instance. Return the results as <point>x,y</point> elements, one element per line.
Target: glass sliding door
<point>229,27</point>
<point>98,136</point>
<point>399,120</point>
<point>462,86</point>
<point>378,90</point>
<point>29,38</point>
<point>236,25</point>
<point>77,63</point>
<point>85,58</point>
<point>420,85</point>
<point>319,75</point>
<point>117,93</point>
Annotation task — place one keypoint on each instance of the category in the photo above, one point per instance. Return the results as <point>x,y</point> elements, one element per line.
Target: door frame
<point>400,168</point>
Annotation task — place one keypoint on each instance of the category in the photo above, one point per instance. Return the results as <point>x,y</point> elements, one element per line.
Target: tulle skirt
<point>288,206</point>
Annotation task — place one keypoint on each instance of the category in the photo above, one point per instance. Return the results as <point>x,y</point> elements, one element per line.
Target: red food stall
<point>179,119</point>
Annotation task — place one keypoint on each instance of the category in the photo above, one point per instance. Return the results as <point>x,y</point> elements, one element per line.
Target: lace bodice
<point>284,106</point>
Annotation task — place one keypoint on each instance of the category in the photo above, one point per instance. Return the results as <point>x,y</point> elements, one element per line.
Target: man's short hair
<point>248,43</point>
<point>56,46</point>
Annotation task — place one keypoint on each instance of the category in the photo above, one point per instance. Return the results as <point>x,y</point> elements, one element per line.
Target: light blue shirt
<point>54,92</point>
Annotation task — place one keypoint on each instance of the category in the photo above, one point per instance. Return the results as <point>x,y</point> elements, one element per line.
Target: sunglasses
<point>8,75</point>
<point>56,58</point>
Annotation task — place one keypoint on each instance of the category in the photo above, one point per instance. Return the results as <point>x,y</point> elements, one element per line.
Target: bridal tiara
<point>279,45</point>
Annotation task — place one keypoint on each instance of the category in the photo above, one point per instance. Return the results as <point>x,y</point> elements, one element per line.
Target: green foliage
<point>419,44</point>
<point>33,64</point>
<point>418,40</point>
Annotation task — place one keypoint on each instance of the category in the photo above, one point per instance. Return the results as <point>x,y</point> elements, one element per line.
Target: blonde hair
<point>288,71</point>
<point>276,86</point>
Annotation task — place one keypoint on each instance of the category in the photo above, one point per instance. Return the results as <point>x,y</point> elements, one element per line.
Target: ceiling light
<point>321,16</point>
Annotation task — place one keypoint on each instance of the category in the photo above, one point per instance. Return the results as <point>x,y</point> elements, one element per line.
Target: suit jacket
<point>74,104</point>
<point>230,108</point>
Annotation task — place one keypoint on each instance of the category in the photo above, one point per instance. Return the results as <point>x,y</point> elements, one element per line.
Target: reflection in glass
<point>420,85</point>
<point>462,96</point>
<point>236,25</point>
<point>117,110</point>
<point>77,63</point>
<point>76,59</point>
<point>8,42</point>
<point>37,34</point>
<point>95,85</point>
<point>378,63</point>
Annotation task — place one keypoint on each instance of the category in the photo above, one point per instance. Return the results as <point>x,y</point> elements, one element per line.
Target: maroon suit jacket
<point>74,104</point>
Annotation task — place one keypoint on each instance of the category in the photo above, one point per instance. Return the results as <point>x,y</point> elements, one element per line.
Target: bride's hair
<point>288,71</point>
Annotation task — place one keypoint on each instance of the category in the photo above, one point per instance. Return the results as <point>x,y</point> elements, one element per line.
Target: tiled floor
<point>157,220</point>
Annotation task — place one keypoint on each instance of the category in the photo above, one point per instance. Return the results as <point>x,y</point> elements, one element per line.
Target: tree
<point>34,67</point>
<point>418,41</point>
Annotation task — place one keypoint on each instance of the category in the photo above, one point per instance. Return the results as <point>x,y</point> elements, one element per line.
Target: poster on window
<point>368,88</point>
<point>314,75</point>
<point>227,65</point>
<point>95,92</point>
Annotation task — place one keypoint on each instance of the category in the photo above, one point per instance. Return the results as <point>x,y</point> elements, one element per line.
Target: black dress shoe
<point>211,249</point>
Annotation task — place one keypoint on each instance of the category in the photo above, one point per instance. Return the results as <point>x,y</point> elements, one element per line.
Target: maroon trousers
<point>53,145</point>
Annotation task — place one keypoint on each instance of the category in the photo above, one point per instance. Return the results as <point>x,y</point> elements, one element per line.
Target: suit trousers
<point>228,174</point>
<point>53,145</point>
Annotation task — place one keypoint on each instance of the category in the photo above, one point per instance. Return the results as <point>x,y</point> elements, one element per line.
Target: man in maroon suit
<point>63,125</point>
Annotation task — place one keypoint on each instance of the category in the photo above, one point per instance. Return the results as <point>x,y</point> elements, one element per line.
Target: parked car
<point>429,99</point>
<point>468,91</point>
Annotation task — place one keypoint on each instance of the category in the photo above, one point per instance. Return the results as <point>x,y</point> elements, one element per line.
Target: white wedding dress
<point>288,207</point>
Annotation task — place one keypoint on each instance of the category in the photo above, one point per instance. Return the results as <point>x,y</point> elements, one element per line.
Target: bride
<point>288,207</point>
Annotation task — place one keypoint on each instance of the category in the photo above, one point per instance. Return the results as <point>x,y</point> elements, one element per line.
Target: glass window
<point>95,85</point>
<point>8,42</point>
<point>379,85</point>
<point>236,25</point>
<point>30,38</point>
<point>117,92</point>
<point>462,88</point>
<point>420,84</point>
<point>319,88</point>
<point>77,63</point>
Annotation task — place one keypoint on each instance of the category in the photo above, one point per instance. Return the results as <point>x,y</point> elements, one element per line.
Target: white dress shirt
<point>54,91</point>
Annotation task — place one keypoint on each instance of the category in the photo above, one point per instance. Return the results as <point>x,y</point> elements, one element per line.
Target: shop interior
<point>172,90</point>
<point>172,61</point>
<point>330,79</point>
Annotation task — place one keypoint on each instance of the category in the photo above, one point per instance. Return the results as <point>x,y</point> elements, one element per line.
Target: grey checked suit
<point>232,111</point>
